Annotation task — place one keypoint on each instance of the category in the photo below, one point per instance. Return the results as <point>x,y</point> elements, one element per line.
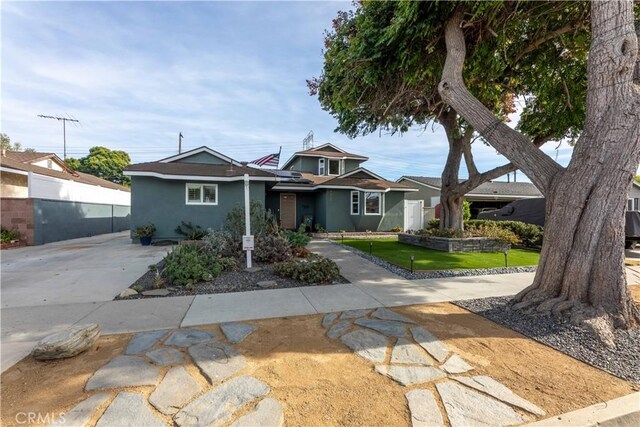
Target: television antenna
<point>64,121</point>
<point>307,142</point>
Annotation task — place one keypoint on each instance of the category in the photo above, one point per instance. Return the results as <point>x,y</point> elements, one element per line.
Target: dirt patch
<point>320,382</point>
<point>635,293</point>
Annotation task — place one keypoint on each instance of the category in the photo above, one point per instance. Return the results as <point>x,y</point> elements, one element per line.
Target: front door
<point>288,211</point>
<point>413,219</point>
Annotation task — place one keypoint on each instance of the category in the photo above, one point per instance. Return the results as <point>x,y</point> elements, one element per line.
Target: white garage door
<point>413,214</point>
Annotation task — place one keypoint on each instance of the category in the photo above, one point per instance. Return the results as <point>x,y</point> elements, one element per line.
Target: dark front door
<point>288,210</point>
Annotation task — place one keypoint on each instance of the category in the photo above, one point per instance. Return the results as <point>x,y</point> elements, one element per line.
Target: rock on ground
<point>429,342</point>
<point>467,407</point>
<point>129,410</point>
<point>165,356</point>
<point>338,329</point>
<point>386,314</point>
<point>236,332</point>
<point>493,388</point>
<point>328,319</point>
<point>386,327</point>
<point>407,353</point>
<point>82,413</point>
<point>143,341</point>
<point>176,389</point>
<point>218,405</point>
<point>67,343</point>
<point>456,365</point>
<point>409,375</point>
<point>128,292</point>
<point>123,371</point>
<point>217,361</point>
<point>188,337</point>
<point>367,344</point>
<point>156,293</point>
<point>352,314</point>
<point>424,409</point>
<point>268,413</point>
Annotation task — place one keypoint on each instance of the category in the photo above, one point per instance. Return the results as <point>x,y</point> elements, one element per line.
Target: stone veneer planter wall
<point>445,244</point>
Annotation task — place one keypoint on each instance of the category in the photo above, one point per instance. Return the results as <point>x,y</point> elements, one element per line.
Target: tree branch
<point>468,155</point>
<point>538,166</point>
<point>548,36</point>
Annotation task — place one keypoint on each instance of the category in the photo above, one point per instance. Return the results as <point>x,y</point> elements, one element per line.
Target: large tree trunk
<point>582,261</point>
<point>451,200</point>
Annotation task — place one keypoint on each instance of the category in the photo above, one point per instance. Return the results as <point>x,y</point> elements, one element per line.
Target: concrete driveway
<point>47,288</point>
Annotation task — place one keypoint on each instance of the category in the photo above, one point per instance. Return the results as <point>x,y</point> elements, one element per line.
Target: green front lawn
<point>427,259</point>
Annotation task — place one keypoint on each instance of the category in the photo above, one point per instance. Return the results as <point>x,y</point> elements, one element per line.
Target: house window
<point>202,194</point>
<point>633,204</point>
<point>320,166</point>
<point>355,203</point>
<point>372,203</point>
<point>50,164</point>
<point>334,167</point>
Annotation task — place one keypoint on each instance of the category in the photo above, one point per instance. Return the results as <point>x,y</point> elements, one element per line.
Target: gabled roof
<point>202,149</point>
<point>197,171</point>
<point>22,162</point>
<point>361,171</point>
<point>319,152</point>
<point>328,182</point>
<point>520,189</point>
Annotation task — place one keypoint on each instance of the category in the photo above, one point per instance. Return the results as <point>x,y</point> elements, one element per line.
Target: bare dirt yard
<point>321,382</point>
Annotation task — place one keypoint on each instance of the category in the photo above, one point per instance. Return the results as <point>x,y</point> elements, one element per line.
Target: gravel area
<point>559,333</point>
<point>229,281</point>
<point>435,274</point>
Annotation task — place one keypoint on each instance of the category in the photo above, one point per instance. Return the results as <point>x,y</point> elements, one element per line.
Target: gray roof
<point>525,189</point>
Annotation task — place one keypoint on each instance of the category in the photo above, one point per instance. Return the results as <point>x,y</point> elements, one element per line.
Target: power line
<point>64,121</point>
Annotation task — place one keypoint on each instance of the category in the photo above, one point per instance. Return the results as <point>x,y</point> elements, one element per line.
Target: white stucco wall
<point>45,187</point>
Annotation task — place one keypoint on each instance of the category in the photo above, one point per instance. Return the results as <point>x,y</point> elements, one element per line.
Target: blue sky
<point>229,75</point>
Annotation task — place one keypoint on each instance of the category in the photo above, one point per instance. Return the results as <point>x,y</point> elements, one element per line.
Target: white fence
<point>46,187</point>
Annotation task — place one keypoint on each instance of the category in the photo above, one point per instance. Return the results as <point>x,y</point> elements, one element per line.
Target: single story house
<point>323,186</point>
<point>46,201</point>
<point>487,196</point>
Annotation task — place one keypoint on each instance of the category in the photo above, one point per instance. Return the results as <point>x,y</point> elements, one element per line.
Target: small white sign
<point>247,243</point>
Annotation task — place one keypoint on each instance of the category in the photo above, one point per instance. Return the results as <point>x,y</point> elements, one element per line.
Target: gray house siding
<point>203,158</point>
<point>350,164</point>
<point>162,202</point>
<point>423,193</point>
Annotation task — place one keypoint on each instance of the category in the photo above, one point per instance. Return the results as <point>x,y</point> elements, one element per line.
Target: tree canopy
<point>104,163</point>
<point>6,144</point>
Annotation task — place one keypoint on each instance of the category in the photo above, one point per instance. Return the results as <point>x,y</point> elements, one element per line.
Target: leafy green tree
<point>104,163</point>
<point>521,48</point>
<point>383,64</point>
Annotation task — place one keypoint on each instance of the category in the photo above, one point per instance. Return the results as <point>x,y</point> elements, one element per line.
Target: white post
<point>247,215</point>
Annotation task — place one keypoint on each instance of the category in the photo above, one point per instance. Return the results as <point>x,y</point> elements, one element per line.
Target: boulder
<point>67,343</point>
<point>128,293</point>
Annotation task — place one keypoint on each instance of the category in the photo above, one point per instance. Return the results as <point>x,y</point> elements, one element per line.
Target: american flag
<point>268,160</point>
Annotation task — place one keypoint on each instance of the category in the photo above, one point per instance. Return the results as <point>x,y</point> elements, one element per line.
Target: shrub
<point>146,230</point>
<point>529,234</point>
<point>9,235</point>
<point>297,239</point>
<point>218,243</point>
<point>229,263</point>
<point>496,233</point>
<point>186,265</point>
<point>313,269</point>
<point>191,232</point>
<point>433,223</point>
<point>272,248</point>
<point>262,221</point>
<point>396,229</point>
<point>466,210</point>
<point>300,252</point>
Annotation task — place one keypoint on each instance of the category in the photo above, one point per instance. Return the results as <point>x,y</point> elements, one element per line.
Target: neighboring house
<point>324,186</point>
<point>46,201</point>
<point>633,198</point>
<point>487,196</point>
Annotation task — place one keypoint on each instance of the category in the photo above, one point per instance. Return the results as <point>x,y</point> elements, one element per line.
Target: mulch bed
<point>12,245</point>
<point>558,333</point>
<point>228,281</point>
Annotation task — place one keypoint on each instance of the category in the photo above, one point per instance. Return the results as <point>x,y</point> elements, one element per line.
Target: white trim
<point>471,194</point>
<point>351,202</point>
<point>365,170</point>
<point>380,205</point>
<point>322,166</point>
<point>328,144</point>
<point>406,206</point>
<point>300,154</point>
<point>419,183</point>
<point>202,149</point>
<point>201,186</point>
<point>10,170</point>
<point>199,178</point>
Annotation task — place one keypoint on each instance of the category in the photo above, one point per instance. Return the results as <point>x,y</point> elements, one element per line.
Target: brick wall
<point>470,244</point>
<point>17,214</point>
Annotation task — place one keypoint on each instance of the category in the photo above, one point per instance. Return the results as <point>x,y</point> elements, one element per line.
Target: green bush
<point>218,243</point>
<point>490,231</point>
<point>9,235</point>
<point>186,265</point>
<point>146,230</point>
<point>433,223</point>
<point>262,221</point>
<point>190,231</point>
<point>529,234</point>
<point>313,269</point>
<point>466,210</point>
<point>297,239</point>
<point>272,248</point>
<point>396,229</point>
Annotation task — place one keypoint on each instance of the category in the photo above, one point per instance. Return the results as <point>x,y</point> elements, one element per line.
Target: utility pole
<point>64,121</point>
<point>180,143</point>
